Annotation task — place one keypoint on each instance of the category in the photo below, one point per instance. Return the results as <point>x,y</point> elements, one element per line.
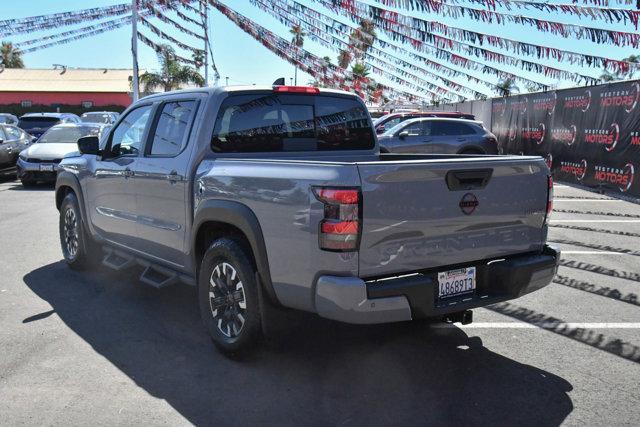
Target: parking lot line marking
<point>587,200</point>
<point>593,253</point>
<point>594,221</point>
<point>522,325</point>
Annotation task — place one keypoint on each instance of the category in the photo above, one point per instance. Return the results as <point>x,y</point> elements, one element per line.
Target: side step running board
<point>157,277</point>
<point>117,260</point>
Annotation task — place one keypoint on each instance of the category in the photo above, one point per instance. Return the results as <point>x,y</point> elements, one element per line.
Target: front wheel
<point>228,297</point>
<point>77,246</point>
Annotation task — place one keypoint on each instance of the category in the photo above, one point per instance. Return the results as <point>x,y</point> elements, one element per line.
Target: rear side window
<point>444,128</point>
<point>172,129</point>
<point>288,122</point>
<point>13,132</point>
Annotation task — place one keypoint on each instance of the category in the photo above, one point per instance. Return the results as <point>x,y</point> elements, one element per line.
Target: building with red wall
<point>65,86</point>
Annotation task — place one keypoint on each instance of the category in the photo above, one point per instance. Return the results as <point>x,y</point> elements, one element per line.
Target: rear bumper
<point>353,300</point>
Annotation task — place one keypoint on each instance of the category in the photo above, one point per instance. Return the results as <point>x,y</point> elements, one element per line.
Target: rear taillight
<point>549,199</point>
<point>340,228</point>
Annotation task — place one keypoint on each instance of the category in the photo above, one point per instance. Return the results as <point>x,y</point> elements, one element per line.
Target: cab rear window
<point>271,122</point>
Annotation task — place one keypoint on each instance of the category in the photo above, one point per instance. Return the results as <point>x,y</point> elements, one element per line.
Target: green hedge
<point>18,110</point>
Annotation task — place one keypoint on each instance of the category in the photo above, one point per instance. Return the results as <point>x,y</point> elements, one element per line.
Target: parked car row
<point>16,135</point>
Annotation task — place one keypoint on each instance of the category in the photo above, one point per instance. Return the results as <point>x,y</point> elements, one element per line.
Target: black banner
<point>589,135</point>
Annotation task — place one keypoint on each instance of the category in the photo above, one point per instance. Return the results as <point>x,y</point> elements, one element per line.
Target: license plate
<point>456,282</point>
<point>46,168</point>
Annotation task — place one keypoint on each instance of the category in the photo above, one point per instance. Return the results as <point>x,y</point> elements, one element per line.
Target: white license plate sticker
<point>456,282</point>
<point>46,168</point>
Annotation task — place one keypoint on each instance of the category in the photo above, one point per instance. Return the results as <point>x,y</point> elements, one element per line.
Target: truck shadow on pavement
<point>323,372</point>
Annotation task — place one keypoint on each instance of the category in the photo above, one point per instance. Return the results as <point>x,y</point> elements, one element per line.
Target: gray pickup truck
<point>278,197</point>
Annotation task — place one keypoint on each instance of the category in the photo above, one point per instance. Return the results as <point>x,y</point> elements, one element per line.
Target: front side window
<point>172,130</point>
<point>126,138</point>
<point>291,122</point>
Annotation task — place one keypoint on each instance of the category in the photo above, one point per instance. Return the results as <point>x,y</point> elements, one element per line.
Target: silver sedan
<point>39,162</point>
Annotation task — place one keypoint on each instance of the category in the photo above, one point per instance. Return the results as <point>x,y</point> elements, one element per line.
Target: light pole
<point>205,21</point>
<point>134,49</point>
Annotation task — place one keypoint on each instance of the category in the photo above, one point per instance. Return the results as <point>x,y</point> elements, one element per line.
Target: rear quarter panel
<point>279,194</point>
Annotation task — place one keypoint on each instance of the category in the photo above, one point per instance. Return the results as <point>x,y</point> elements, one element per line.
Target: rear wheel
<point>27,182</point>
<point>228,297</point>
<point>78,248</point>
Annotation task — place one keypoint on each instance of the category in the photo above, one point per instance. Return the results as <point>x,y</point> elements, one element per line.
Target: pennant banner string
<point>446,44</point>
<point>155,30</point>
<point>332,25</point>
<point>158,48</point>
<point>313,65</point>
<point>419,26</point>
<point>336,44</point>
<point>599,35</point>
<point>460,61</point>
<point>119,9</point>
<point>601,11</point>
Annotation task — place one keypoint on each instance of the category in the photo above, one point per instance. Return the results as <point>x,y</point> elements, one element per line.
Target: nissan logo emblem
<point>468,203</point>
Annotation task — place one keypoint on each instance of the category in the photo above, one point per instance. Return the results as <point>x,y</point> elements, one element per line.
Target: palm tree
<point>608,76</point>
<point>359,71</point>
<point>506,87</point>
<point>298,40</point>
<point>634,59</point>
<point>10,56</point>
<point>344,58</point>
<point>198,58</point>
<point>363,37</point>
<point>172,74</point>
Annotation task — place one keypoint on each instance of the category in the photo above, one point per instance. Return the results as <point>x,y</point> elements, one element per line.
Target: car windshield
<point>96,118</point>
<point>68,134</point>
<point>5,118</point>
<point>27,123</point>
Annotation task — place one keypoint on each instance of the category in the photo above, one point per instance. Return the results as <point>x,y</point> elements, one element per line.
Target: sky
<point>244,61</point>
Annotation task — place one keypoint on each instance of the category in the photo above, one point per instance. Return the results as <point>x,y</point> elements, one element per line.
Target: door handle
<point>173,176</point>
<point>461,139</point>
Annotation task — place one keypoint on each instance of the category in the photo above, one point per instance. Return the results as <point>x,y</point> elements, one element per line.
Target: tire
<point>78,249</point>
<point>28,182</point>
<point>228,297</point>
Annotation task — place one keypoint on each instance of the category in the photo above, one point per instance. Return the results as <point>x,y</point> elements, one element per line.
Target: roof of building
<point>65,80</point>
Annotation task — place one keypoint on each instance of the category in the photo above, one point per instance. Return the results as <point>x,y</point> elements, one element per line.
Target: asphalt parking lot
<point>102,348</point>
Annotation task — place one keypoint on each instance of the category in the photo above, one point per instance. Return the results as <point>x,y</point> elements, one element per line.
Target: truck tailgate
<point>415,218</point>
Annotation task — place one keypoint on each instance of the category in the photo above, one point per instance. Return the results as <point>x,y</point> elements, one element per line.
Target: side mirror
<point>1,141</point>
<point>403,134</point>
<point>89,145</point>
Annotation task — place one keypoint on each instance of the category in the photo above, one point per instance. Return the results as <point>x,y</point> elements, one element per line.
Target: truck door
<point>109,187</point>
<point>162,182</point>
